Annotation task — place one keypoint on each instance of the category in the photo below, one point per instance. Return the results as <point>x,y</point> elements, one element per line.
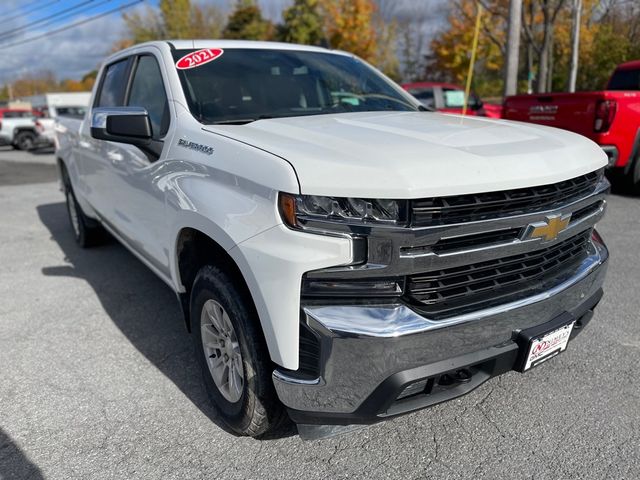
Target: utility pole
<point>513,48</point>
<point>575,44</point>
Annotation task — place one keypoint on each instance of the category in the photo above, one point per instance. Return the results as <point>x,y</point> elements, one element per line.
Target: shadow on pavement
<point>43,151</point>
<point>14,463</point>
<point>139,303</point>
<point>23,173</point>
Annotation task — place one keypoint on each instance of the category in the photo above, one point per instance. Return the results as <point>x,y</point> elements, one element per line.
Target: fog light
<point>413,389</point>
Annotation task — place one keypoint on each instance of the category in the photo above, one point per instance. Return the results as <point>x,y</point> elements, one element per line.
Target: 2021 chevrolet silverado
<point>341,256</point>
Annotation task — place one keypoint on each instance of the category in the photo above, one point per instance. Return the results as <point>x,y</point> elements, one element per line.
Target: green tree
<point>176,16</point>
<point>173,20</point>
<point>303,23</point>
<point>386,58</point>
<point>246,23</point>
<point>4,93</point>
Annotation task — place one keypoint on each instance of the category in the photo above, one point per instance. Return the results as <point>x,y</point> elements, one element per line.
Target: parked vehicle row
<point>450,98</point>
<point>341,255</point>
<point>32,129</point>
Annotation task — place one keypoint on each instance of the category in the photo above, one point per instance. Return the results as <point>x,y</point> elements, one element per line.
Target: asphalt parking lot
<point>98,379</point>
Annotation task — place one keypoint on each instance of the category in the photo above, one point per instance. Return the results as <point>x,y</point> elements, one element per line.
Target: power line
<point>26,12</point>
<point>11,10</point>
<point>83,9</point>
<point>11,32</point>
<point>73,25</point>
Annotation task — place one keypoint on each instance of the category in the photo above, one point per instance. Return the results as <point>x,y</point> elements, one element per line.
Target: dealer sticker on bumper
<point>548,346</point>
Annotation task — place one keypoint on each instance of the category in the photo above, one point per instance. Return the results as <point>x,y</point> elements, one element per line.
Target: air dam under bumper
<point>371,354</point>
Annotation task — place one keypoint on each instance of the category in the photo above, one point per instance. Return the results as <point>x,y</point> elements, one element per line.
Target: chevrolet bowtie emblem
<point>550,228</point>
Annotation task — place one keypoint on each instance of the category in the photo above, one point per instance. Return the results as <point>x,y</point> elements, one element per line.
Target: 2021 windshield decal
<point>198,147</point>
<point>195,59</point>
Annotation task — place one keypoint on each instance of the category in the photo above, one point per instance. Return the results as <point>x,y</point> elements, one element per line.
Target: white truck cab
<point>341,255</point>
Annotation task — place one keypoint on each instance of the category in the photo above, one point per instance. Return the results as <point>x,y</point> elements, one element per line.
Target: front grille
<point>483,206</point>
<point>478,240</point>
<point>451,291</point>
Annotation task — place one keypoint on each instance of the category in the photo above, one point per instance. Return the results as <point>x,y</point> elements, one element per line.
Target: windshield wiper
<point>241,121</point>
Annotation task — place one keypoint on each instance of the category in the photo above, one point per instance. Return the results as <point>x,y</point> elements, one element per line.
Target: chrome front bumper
<point>363,347</point>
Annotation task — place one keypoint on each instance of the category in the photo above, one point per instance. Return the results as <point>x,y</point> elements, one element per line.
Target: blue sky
<point>74,52</point>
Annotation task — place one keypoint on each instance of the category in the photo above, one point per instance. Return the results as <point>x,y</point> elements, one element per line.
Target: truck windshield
<point>625,80</point>
<point>244,85</point>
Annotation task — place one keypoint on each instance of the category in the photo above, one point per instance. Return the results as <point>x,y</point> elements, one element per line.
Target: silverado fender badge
<point>548,229</point>
<point>198,147</point>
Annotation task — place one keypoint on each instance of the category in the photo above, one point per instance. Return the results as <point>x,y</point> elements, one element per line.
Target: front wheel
<point>233,356</point>
<point>25,140</point>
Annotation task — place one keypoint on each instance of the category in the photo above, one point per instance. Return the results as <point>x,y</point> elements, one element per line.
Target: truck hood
<point>417,154</point>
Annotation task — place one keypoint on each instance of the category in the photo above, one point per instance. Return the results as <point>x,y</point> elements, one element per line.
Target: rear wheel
<point>233,356</point>
<point>25,140</point>
<point>86,231</point>
<point>633,177</point>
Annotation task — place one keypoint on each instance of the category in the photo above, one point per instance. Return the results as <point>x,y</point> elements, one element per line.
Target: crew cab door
<point>91,155</point>
<point>137,198</point>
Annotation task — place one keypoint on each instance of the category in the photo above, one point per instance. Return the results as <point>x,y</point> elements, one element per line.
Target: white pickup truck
<point>18,129</point>
<point>341,256</point>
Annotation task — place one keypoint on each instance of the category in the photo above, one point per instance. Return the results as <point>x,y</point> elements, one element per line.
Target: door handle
<point>114,156</point>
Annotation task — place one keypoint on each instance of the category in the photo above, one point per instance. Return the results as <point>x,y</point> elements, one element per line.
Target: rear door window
<point>148,92</point>
<point>114,84</point>
<point>625,80</point>
<point>18,114</point>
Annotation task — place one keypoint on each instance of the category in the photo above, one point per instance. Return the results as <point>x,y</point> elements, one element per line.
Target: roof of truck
<point>225,44</point>
<point>629,65</point>
<point>188,44</point>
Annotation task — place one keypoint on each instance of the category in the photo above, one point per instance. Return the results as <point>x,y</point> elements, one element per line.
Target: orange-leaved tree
<point>356,26</point>
<point>350,26</point>
<point>451,48</point>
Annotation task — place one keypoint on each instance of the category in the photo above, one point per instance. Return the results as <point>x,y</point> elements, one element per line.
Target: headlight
<point>298,210</point>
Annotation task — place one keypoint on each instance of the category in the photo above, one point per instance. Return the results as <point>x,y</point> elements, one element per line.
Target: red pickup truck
<point>611,118</point>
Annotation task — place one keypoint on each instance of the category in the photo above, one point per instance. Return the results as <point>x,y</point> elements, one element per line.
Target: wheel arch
<point>194,248</point>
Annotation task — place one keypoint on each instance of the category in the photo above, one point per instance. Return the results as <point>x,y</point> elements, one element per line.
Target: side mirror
<point>122,124</point>
<point>477,104</point>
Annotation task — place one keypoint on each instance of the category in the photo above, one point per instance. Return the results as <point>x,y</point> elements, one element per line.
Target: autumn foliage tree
<point>609,35</point>
<point>44,82</point>
<point>350,27</point>
<point>174,19</point>
<point>356,26</point>
<point>451,47</point>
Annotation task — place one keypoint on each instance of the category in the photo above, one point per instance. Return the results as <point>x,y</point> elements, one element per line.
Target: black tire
<point>25,140</point>
<point>86,231</point>
<point>258,410</point>
<point>633,177</point>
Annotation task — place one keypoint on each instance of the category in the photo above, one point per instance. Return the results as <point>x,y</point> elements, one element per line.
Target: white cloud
<point>69,54</point>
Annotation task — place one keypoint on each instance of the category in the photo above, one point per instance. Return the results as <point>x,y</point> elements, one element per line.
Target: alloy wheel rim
<point>26,143</point>
<point>222,351</point>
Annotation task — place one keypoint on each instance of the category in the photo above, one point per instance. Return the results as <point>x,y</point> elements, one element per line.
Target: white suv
<point>341,255</point>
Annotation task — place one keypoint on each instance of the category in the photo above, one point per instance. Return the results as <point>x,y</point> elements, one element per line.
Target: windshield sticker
<point>195,59</point>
